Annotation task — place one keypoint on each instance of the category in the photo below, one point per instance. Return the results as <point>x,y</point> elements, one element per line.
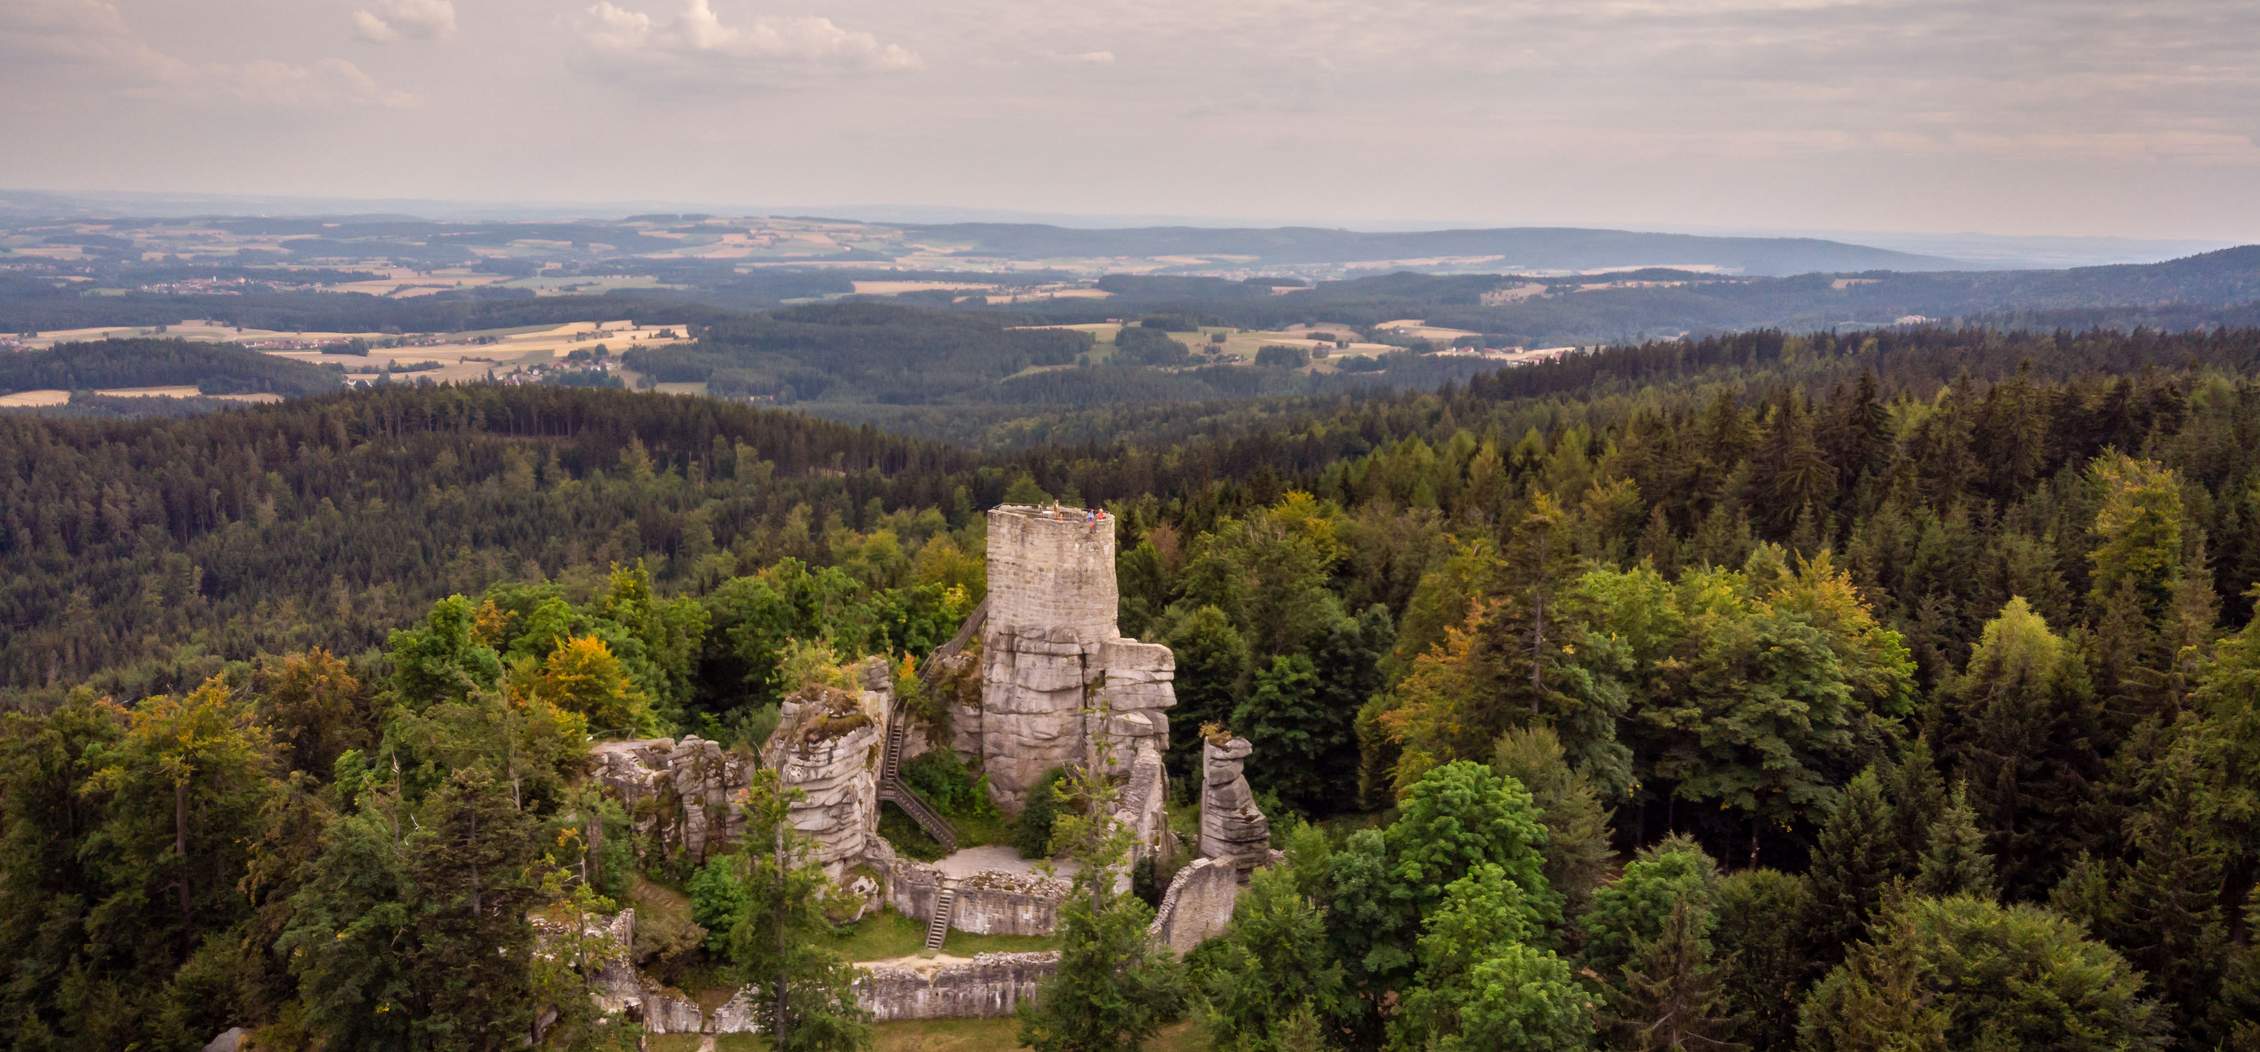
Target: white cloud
<point>699,45</point>
<point>90,39</point>
<point>1097,58</point>
<point>406,19</point>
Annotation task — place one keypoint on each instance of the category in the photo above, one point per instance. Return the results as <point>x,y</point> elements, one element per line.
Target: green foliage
<point>1115,987</point>
<point>441,659</point>
<point>802,1001</point>
<point>1271,966</point>
<point>2019,728</point>
<point>1956,862</point>
<point>1964,973</point>
<point>1854,862</point>
<point>1673,877</point>
<point>1032,827</point>
<point>1760,950</point>
<point>1481,984</point>
<point>942,779</point>
<point>1213,661</point>
<point>1578,855</point>
<point>1672,996</point>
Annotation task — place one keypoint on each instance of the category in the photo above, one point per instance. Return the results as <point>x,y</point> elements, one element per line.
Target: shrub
<point>1032,832</point>
<point>717,897</point>
<point>940,778</point>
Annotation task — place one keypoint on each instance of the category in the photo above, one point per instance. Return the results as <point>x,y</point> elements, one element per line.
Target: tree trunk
<point>784,1028</point>
<point>180,847</point>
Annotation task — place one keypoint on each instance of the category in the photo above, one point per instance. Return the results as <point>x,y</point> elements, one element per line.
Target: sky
<point>2066,117</point>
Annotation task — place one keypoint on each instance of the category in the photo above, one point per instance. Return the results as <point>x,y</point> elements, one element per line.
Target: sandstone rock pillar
<point>1233,829</point>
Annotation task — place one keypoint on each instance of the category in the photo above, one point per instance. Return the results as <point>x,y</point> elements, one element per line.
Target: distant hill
<point>1518,248</point>
<point>211,368</point>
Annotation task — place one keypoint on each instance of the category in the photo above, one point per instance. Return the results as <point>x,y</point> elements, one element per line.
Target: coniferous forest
<point>1893,689</point>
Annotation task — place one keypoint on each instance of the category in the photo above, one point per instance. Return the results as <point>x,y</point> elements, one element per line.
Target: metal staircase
<point>938,928</point>
<point>891,787</point>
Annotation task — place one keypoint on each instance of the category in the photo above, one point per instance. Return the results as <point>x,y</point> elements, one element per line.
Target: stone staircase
<point>891,787</point>
<point>938,928</point>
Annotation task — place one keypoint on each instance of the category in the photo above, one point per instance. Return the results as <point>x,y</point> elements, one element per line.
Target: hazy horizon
<point>2077,119</point>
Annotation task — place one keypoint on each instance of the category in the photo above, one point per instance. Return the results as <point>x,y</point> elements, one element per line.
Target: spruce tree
<point>1956,862</point>
<point>1115,987</point>
<point>1855,862</point>
<point>1670,996</point>
<point>804,1000</point>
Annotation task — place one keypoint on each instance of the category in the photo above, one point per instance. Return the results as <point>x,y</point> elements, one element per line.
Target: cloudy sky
<point>2006,116</point>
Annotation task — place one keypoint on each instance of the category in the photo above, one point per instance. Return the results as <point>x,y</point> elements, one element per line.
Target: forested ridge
<point>211,368</point>
<point>1770,690</point>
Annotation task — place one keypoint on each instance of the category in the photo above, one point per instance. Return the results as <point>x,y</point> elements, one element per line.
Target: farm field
<point>460,356</point>
<point>1244,343</point>
<point>1421,330</point>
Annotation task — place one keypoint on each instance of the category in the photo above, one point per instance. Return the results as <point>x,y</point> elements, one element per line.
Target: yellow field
<point>46,398</point>
<point>897,288</point>
<point>1513,293</point>
<point>1421,330</point>
<point>404,282</point>
<point>1067,292</point>
<point>459,358</point>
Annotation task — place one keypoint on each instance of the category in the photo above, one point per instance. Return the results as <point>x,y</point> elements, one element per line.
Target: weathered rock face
<point>1233,829</point>
<point>1051,655</point>
<point>681,794</point>
<point>836,773</point>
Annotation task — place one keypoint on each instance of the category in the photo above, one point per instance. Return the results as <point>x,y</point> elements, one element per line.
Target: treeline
<point>1658,303</point>
<point>859,351</point>
<point>211,368</point>
<point>1767,690</point>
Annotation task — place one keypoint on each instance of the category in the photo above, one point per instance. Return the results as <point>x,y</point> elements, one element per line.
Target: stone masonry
<point>1051,650</point>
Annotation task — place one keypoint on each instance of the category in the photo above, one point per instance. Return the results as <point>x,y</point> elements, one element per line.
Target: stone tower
<point>1057,678</point>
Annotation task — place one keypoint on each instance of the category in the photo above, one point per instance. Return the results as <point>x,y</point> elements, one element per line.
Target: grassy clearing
<point>886,935</point>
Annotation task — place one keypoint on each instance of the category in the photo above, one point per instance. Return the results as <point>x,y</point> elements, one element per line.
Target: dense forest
<point>1772,690</point>
<point>211,368</point>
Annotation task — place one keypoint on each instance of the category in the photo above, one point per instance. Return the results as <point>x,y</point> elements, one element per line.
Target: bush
<point>717,897</point>
<point>1032,832</point>
<point>1282,356</point>
<point>940,778</point>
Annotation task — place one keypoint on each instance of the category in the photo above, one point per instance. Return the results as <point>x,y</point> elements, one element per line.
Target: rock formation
<point>1059,683</point>
<point>827,745</point>
<point>682,794</point>
<point>1233,829</point>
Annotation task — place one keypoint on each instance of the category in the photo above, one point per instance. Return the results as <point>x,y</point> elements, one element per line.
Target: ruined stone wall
<point>1050,650</point>
<point>987,903</point>
<point>1047,573</point>
<point>1197,905</point>
<point>991,985</point>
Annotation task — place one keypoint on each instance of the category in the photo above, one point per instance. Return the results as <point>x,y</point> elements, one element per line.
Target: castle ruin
<point>1060,685</point>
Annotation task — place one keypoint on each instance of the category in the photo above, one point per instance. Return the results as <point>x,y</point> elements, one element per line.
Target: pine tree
<point>1578,855</point>
<point>1956,862</point>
